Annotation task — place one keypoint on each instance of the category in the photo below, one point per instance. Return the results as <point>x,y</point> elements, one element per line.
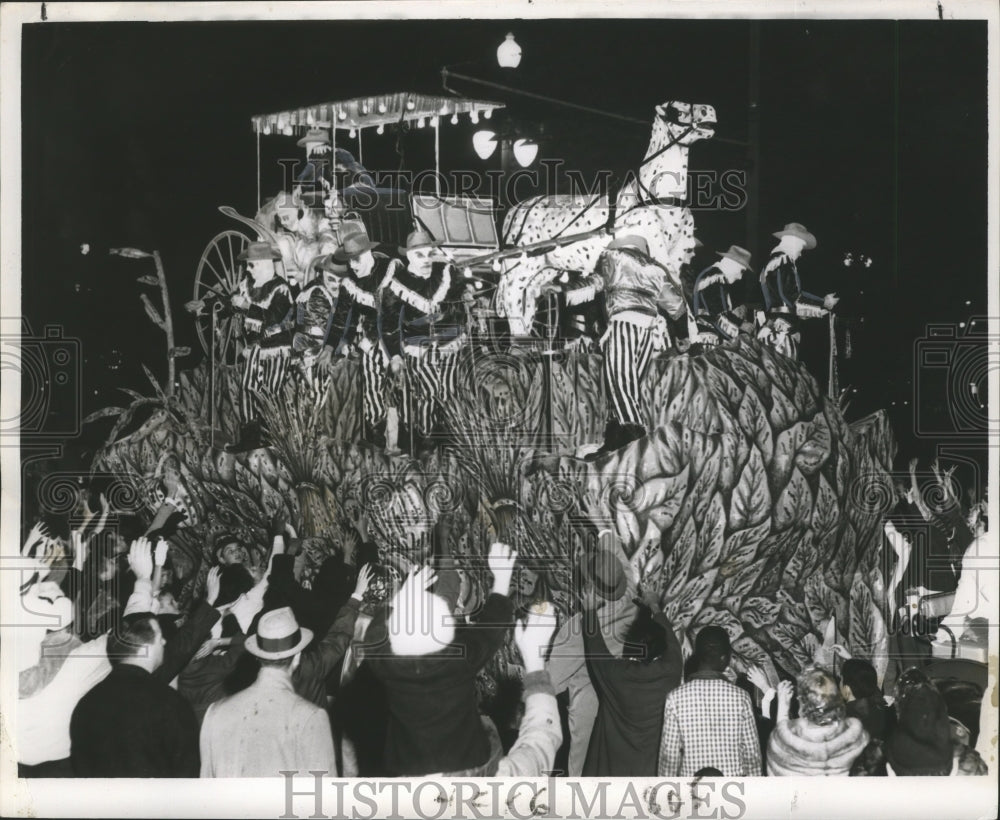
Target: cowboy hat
<point>604,570</point>
<point>315,135</point>
<point>256,251</point>
<point>278,636</point>
<point>329,263</point>
<point>795,229</point>
<point>737,254</point>
<point>354,244</point>
<point>629,241</point>
<point>419,239</point>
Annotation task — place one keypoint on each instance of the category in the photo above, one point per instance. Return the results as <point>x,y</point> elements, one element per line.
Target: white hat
<point>278,636</point>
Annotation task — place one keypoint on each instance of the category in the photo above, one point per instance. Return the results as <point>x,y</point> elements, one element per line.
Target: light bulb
<point>352,133</point>
<point>341,114</point>
<point>474,116</point>
<point>434,121</point>
<point>485,143</point>
<point>525,152</point>
<point>410,105</point>
<point>421,122</point>
<point>381,108</point>
<point>467,273</point>
<point>380,129</point>
<point>488,113</point>
<point>496,266</point>
<point>509,53</point>
<point>454,119</point>
<point>267,129</point>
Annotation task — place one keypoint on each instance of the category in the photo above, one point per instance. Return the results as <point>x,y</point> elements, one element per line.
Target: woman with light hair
<point>822,740</point>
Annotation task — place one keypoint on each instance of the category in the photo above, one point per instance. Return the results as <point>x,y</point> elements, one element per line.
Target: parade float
<point>751,503</point>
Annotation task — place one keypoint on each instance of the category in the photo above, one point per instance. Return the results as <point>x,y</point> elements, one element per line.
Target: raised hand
<point>212,583</point>
<point>758,678</point>
<point>140,559</point>
<point>364,581</point>
<point>534,634</point>
<point>785,692</point>
<point>160,556</point>
<point>501,559</point>
<point>38,533</point>
<point>841,651</point>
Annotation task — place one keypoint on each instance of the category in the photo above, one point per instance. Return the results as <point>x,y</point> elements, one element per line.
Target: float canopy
<point>370,112</point>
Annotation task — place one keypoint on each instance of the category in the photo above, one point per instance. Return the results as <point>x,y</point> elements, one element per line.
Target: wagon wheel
<point>217,279</point>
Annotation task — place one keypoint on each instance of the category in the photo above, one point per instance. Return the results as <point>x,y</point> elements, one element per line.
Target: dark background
<point>871,133</point>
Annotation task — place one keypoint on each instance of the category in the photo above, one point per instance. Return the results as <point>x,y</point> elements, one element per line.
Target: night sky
<point>872,134</point>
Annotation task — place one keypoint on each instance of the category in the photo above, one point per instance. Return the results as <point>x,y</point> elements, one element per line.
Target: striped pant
<point>374,373</point>
<point>627,351</point>
<point>428,382</point>
<point>264,371</point>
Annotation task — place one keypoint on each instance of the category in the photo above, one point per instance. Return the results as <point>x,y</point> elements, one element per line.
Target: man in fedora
<point>267,728</point>
<point>418,335</point>
<point>264,301</point>
<point>784,299</point>
<point>714,294</point>
<point>370,271</point>
<point>315,178</point>
<point>636,290</point>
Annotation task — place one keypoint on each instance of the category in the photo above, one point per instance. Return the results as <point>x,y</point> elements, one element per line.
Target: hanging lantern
<point>381,108</point>
<point>267,130</point>
<point>380,129</point>
<point>434,121</point>
<point>421,122</point>
<point>488,113</point>
<point>496,266</point>
<point>467,273</point>
<point>509,53</point>
<point>341,114</point>
<point>474,116</point>
<point>454,119</point>
<point>410,105</point>
<point>525,152</point>
<point>352,133</point>
<point>485,143</point>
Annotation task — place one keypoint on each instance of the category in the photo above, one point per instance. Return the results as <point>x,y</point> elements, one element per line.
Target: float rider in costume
<point>369,272</point>
<point>714,302</point>
<point>784,299</point>
<point>636,291</point>
<point>264,301</point>
<point>321,317</point>
<point>411,307</point>
<point>316,177</point>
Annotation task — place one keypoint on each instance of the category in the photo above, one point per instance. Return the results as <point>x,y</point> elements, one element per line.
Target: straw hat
<point>278,636</point>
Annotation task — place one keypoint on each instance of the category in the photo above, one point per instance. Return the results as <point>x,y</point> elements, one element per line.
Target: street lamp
<point>509,53</point>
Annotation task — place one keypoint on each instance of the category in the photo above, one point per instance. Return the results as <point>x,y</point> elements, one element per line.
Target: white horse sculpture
<point>649,204</point>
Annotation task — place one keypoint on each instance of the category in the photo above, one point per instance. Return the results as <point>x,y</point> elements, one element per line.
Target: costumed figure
<point>717,318</point>
<point>636,289</point>
<point>369,272</point>
<point>264,300</point>
<point>784,299</point>
<point>321,317</point>
<point>315,178</point>
<point>303,235</point>
<point>421,353</point>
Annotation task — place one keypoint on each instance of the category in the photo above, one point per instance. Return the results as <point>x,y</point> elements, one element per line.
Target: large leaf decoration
<point>751,501</point>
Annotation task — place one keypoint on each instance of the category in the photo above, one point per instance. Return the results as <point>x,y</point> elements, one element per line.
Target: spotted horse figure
<point>650,204</point>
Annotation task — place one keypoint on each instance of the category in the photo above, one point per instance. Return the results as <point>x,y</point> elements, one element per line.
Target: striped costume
<point>418,325</point>
<point>361,328</point>
<point>267,324</point>
<point>636,289</point>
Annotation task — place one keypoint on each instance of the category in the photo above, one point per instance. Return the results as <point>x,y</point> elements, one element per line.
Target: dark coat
<point>625,741</point>
<point>434,723</point>
<point>133,725</point>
